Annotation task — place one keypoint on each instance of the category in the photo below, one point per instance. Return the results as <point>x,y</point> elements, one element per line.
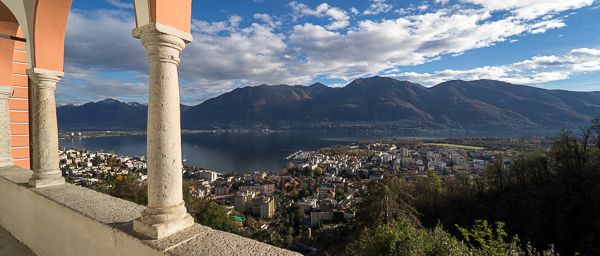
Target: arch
<point>8,27</point>
<point>23,11</point>
<point>49,33</point>
<point>6,14</point>
<point>42,23</point>
<point>174,13</point>
<point>13,63</point>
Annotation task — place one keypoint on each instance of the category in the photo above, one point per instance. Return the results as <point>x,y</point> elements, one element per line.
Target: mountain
<point>370,103</point>
<point>108,114</point>
<point>494,103</point>
<point>373,99</point>
<point>388,104</point>
<point>318,89</point>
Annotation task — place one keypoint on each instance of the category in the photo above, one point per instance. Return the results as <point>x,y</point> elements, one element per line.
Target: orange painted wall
<point>6,52</point>
<point>50,26</point>
<point>175,13</point>
<point>18,106</point>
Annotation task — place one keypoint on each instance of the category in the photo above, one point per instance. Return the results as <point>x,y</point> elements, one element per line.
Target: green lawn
<point>445,145</point>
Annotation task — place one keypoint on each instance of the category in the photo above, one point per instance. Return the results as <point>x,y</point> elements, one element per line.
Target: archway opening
<point>13,66</point>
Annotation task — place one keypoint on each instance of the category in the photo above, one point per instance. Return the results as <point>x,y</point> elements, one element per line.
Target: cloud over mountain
<point>539,69</point>
<point>310,42</point>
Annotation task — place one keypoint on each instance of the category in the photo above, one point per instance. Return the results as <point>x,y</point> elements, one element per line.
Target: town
<point>325,185</point>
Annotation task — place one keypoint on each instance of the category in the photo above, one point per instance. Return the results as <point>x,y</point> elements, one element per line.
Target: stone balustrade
<point>69,220</point>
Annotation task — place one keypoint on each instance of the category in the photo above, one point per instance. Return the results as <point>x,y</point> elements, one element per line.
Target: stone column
<point>45,161</point>
<point>5,156</point>
<point>166,213</point>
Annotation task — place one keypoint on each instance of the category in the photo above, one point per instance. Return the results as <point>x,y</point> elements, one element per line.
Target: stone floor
<point>11,246</point>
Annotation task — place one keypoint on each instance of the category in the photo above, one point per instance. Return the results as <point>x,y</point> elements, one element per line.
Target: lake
<point>237,152</point>
<point>228,152</point>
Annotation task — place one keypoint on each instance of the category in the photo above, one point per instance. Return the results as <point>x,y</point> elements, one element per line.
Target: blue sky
<point>551,44</point>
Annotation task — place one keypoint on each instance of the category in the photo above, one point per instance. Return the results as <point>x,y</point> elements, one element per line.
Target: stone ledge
<point>217,242</point>
<point>114,216</point>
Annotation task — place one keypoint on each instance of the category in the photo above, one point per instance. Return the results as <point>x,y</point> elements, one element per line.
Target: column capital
<point>5,91</point>
<point>157,27</point>
<point>45,78</point>
<point>161,46</point>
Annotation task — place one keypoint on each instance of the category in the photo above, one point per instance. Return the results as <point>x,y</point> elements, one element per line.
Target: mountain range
<point>377,103</point>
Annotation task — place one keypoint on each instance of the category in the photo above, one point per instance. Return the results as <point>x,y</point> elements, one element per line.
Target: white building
<point>207,175</point>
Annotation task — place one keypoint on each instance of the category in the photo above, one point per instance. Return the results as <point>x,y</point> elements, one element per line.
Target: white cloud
<point>81,86</point>
<point>254,52</point>
<point>119,4</point>
<point>267,19</point>
<point>200,26</point>
<point>530,9</point>
<point>221,57</point>
<point>339,18</point>
<point>230,53</point>
<point>378,7</point>
<point>539,69</point>
<point>373,46</point>
<point>232,23</point>
<point>235,20</point>
<point>423,7</point>
<point>543,26</point>
<point>102,41</point>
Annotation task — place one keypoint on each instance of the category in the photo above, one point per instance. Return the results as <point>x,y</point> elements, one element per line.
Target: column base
<point>162,230</point>
<point>6,162</point>
<point>46,182</point>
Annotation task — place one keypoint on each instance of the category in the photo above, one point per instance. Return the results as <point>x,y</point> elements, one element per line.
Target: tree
<point>386,201</point>
<point>288,168</point>
<point>317,172</point>
<point>397,238</point>
<point>130,189</point>
<point>402,237</point>
<point>209,213</point>
<point>488,240</point>
<point>294,193</point>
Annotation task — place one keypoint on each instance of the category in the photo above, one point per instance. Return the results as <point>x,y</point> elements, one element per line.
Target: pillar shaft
<point>5,156</point>
<point>166,213</point>
<point>164,132</point>
<point>45,161</point>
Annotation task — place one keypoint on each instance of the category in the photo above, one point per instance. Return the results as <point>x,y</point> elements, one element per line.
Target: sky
<point>551,44</point>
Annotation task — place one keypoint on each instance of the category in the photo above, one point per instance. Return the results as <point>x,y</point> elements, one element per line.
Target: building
<point>317,217</point>
<point>264,188</point>
<point>325,191</point>
<point>207,175</point>
<point>248,201</point>
<point>242,201</point>
<point>307,203</point>
<point>223,189</point>
<point>248,176</point>
<point>264,207</point>
<point>267,208</point>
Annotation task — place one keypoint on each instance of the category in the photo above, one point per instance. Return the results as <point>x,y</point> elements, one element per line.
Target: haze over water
<point>239,152</point>
<point>222,152</point>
